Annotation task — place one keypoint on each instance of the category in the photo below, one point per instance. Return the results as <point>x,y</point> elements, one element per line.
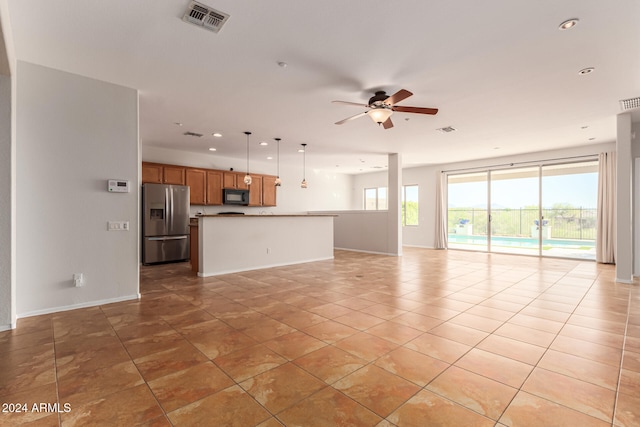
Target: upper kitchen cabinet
<point>268,190</point>
<point>197,181</point>
<point>255,191</point>
<point>152,173</point>
<point>214,187</point>
<point>163,174</point>
<point>234,180</point>
<point>174,175</point>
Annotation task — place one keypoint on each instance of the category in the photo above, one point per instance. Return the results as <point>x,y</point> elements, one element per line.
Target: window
<point>409,205</point>
<point>375,199</point>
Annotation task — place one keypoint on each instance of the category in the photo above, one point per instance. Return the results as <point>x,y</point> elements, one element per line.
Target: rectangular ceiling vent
<point>205,17</point>
<point>447,129</point>
<point>630,104</point>
<point>199,135</point>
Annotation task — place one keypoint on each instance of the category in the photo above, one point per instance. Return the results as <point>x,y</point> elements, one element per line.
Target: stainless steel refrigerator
<point>165,223</point>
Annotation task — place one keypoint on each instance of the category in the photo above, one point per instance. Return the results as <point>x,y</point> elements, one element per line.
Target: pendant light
<point>247,177</point>
<point>278,182</point>
<point>303,184</point>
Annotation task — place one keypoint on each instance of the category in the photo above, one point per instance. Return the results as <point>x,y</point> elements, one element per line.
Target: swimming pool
<point>522,242</point>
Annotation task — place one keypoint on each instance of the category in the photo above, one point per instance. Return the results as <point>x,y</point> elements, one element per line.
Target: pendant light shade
<point>247,177</point>
<point>278,181</point>
<point>303,184</point>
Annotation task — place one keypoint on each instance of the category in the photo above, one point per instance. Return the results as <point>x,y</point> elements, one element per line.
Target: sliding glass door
<point>515,211</point>
<point>468,217</point>
<point>547,210</point>
<point>569,200</point>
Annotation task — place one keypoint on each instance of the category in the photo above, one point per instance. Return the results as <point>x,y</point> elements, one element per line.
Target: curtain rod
<point>533,162</point>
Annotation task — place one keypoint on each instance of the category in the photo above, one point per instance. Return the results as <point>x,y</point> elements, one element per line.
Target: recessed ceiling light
<point>591,139</point>
<point>217,134</point>
<point>177,123</point>
<point>587,70</point>
<point>264,143</point>
<point>282,64</point>
<point>212,149</point>
<point>496,148</point>
<point>269,158</point>
<point>569,23</point>
<point>584,127</point>
<point>300,150</point>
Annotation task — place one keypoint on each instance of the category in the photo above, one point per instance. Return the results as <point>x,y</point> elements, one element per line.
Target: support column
<point>624,198</point>
<point>394,225</point>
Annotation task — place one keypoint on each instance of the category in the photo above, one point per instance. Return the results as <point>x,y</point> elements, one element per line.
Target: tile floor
<point>444,338</point>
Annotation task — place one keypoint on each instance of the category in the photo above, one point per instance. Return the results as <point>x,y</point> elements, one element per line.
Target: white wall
<point>72,134</point>
<point>326,190</point>
<point>423,235</point>
<point>635,148</point>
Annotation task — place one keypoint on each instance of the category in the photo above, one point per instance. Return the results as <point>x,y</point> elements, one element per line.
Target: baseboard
<point>77,306</point>
<point>261,267</point>
<point>367,252</point>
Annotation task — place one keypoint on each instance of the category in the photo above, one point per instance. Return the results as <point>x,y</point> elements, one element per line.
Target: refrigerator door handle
<point>167,238</point>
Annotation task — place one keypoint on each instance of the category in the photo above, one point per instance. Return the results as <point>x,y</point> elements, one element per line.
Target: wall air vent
<point>630,104</point>
<point>199,135</point>
<point>205,17</point>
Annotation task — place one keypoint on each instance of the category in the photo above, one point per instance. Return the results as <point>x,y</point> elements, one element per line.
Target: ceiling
<point>500,72</point>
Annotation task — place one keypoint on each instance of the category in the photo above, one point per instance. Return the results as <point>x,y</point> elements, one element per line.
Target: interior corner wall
<point>72,135</point>
<point>7,297</point>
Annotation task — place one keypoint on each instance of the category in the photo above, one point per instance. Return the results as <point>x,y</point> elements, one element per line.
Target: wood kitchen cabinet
<point>214,187</point>
<point>163,174</point>
<point>196,179</point>
<point>268,190</point>
<point>235,180</point>
<point>174,175</point>
<point>255,191</point>
<point>152,173</point>
<point>206,185</point>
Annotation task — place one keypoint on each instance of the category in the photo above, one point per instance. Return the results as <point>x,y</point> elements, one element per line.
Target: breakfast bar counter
<point>230,243</point>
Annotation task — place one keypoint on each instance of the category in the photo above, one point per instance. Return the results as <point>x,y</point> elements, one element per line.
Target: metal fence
<point>572,223</point>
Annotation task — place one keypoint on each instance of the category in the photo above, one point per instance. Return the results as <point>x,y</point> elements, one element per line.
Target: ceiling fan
<point>381,107</point>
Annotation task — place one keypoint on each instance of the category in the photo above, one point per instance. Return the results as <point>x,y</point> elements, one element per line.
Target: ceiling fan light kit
<point>381,107</point>
<point>380,114</point>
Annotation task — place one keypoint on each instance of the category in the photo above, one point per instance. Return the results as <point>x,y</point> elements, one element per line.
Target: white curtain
<point>441,211</point>
<point>606,227</point>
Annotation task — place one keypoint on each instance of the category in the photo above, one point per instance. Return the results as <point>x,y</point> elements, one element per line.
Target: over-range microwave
<point>232,196</point>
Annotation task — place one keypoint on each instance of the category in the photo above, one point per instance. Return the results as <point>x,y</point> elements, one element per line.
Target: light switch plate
<point>118,225</point>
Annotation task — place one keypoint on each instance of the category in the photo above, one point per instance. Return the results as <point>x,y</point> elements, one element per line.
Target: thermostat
<point>118,186</point>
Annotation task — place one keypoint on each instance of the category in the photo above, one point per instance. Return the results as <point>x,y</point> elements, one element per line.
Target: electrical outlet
<point>78,280</point>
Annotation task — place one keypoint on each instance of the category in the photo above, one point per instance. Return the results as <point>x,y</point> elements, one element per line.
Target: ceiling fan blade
<point>397,97</point>
<point>351,118</point>
<point>350,103</point>
<point>387,123</point>
<point>418,110</point>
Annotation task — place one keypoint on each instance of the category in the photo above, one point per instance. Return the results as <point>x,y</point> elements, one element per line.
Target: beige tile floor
<point>444,338</point>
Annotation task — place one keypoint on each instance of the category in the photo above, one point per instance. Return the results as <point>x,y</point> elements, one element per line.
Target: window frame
<point>404,207</point>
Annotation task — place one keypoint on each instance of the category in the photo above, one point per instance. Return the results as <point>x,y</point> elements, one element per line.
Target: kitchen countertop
<point>261,215</point>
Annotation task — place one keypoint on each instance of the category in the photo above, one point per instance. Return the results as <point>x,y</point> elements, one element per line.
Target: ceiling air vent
<point>447,129</point>
<point>205,17</point>
<point>630,104</point>
<point>199,135</point>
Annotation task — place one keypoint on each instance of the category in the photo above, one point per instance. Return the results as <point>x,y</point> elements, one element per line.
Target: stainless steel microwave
<point>232,196</point>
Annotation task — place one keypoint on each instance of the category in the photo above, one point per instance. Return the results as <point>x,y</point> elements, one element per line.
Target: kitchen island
<point>229,243</point>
